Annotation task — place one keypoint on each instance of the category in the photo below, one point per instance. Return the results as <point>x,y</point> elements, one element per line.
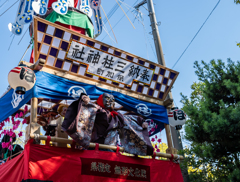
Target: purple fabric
<point>85,125</point>
<point>82,123</point>
<point>104,123</point>
<point>134,138</point>
<point>98,123</point>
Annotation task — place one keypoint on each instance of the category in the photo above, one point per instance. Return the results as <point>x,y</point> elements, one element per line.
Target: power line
<point>11,43</point>
<point>196,33</point>
<point>22,36</point>
<point>118,21</point>
<point>154,53</point>
<point>3,4</point>
<point>145,37</point>
<point>111,12</point>
<point>9,7</point>
<point>125,13</point>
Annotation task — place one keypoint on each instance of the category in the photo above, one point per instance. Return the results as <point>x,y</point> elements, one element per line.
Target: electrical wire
<point>118,21</point>
<point>22,37</point>
<point>145,32</point>
<point>111,12</point>
<point>154,52</point>
<point>108,23</point>
<point>145,37</point>
<point>132,12</point>
<point>196,33</point>
<point>9,7</point>
<point>11,43</point>
<point>125,13</point>
<point>105,29</point>
<point>3,4</point>
<point>30,43</point>
<point>130,7</point>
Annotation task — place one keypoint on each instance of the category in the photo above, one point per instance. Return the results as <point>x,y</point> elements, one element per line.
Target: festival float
<point>69,89</point>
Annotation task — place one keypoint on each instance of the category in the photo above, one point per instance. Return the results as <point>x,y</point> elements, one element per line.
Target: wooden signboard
<point>95,61</point>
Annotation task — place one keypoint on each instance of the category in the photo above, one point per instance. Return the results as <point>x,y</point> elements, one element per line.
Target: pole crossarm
<point>140,4</point>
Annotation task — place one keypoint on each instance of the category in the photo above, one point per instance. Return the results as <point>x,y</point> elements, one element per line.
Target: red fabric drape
<point>46,163</point>
<point>64,165</point>
<point>32,57</point>
<point>12,171</point>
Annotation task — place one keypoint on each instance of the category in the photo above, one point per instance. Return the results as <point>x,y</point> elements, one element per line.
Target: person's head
<point>62,109</point>
<point>106,101</point>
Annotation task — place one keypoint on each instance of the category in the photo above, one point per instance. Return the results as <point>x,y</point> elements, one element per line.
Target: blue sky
<point>180,21</point>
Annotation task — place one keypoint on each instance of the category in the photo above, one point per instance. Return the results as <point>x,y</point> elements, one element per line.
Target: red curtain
<point>46,163</point>
<point>12,170</point>
<point>64,164</point>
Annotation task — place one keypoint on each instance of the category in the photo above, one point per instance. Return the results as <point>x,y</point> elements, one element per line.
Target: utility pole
<point>161,61</point>
<point>158,46</point>
<point>159,51</point>
<point>177,141</point>
<point>160,57</point>
<point>155,32</point>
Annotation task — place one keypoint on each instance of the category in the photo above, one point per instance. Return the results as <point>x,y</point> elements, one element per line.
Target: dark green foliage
<point>237,1</point>
<point>214,124</point>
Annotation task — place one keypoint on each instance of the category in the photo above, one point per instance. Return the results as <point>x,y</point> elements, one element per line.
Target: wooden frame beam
<point>33,127</point>
<point>101,146</point>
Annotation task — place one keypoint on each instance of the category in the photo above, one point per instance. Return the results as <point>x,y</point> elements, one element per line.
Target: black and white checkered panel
<point>53,44</point>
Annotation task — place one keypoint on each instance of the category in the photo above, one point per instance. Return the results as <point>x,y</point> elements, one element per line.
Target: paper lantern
<point>176,117</point>
<point>21,79</point>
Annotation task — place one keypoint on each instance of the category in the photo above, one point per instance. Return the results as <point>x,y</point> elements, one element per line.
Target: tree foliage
<point>214,124</point>
<point>237,1</point>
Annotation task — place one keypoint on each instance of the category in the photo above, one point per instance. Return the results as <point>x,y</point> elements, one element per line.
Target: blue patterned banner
<point>54,87</point>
